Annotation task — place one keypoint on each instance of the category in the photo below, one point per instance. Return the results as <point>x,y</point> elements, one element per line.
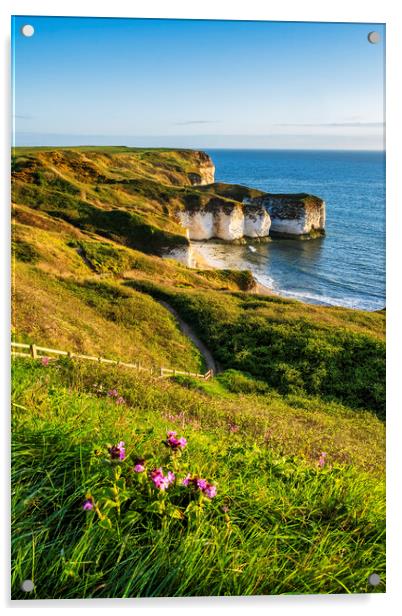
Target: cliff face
<point>205,173</point>
<point>226,221</point>
<point>293,215</point>
<point>238,212</point>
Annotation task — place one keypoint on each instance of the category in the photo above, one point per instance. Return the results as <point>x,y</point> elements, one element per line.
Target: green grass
<point>330,352</point>
<point>297,381</point>
<point>98,316</point>
<point>278,524</point>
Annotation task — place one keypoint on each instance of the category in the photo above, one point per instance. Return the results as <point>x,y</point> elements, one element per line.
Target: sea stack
<point>293,215</point>
<point>225,220</point>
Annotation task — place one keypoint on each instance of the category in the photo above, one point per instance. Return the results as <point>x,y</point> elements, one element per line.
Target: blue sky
<point>198,83</point>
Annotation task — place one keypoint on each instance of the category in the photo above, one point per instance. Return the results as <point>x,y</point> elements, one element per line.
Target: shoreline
<point>202,263</point>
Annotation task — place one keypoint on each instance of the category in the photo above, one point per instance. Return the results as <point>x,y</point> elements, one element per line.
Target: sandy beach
<point>200,262</point>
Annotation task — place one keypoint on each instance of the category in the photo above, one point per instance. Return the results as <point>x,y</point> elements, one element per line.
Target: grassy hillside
<point>68,293</point>
<point>129,195</point>
<point>279,523</point>
<point>297,381</point>
<point>332,352</point>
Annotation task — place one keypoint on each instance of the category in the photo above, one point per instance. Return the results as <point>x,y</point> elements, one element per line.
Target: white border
<point>378,11</point>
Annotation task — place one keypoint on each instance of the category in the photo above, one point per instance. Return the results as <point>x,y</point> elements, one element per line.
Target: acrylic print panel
<point>198,345</point>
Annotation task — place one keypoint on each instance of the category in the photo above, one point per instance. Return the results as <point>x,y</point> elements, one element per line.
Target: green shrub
<point>242,383</point>
<point>278,341</point>
<point>105,258</point>
<point>23,251</point>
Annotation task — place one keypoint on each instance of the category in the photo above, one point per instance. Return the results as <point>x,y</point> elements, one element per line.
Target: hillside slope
<point>291,433</point>
<point>67,293</point>
<point>125,194</point>
<point>85,223</point>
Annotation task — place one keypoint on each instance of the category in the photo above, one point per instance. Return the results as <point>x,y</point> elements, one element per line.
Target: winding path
<point>185,328</point>
<point>188,331</point>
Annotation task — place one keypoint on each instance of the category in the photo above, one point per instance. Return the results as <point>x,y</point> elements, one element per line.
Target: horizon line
<point>164,147</point>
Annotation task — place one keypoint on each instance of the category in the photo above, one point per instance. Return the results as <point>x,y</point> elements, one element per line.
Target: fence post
<point>34,352</point>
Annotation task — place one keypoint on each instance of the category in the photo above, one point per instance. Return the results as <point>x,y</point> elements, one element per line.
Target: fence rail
<point>38,352</point>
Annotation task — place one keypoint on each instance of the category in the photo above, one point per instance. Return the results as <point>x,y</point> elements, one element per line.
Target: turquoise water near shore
<point>347,266</point>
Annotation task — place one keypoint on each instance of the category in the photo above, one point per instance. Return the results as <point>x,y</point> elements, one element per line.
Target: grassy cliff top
<point>129,195</point>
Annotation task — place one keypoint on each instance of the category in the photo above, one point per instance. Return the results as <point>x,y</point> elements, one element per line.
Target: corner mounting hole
<point>28,30</point>
<point>374,579</point>
<point>373,37</point>
<point>27,586</point>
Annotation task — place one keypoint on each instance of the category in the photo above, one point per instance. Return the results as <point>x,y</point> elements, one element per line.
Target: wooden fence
<point>20,349</point>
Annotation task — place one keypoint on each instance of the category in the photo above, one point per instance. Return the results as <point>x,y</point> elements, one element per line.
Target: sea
<point>344,268</point>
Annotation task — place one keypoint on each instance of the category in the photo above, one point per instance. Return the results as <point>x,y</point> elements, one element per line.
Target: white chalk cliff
<point>225,221</point>
<point>231,212</point>
<point>293,214</point>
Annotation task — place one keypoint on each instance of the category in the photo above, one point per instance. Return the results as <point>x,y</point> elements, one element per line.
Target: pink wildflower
<point>113,393</point>
<point>88,505</point>
<point>157,478</point>
<point>174,442</point>
<point>202,484</point>
<point>161,481</point>
<point>45,361</point>
<point>210,490</point>
<point>117,451</point>
<point>120,400</point>
<point>321,460</point>
<point>139,465</point>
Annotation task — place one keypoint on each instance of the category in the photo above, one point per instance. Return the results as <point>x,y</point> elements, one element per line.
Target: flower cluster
<point>161,481</point>
<point>321,460</point>
<point>117,452</point>
<point>175,443</point>
<point>172,495</point>
<point>113,393</point>
<point>45,361</point>
<point>201,484</point>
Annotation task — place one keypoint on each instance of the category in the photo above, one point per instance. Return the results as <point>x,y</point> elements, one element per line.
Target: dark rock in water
<point>294,215</point>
